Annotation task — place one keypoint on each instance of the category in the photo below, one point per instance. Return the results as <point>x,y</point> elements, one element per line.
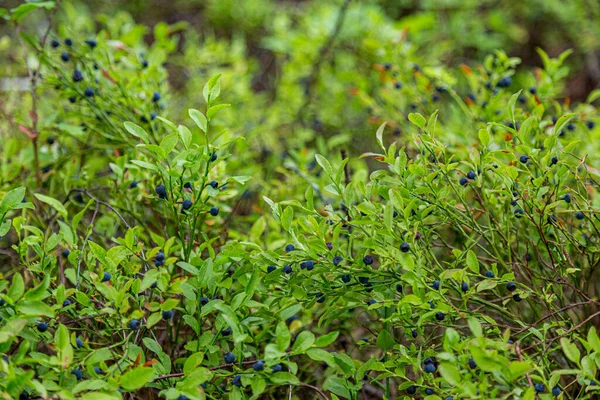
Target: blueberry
<point>590,125</point>
<point>399,288</point>
<point>463,181</point>
<point>449,398</point>
<point>72,99</point>
<point>414,334</point>
<point>329,245</point>
<point>504,82</point>
<point>277,368</point>
<point>522,99</point>
<point>398,85</point>
<point>287,269</point>
<point>368,259</point>
<point>429,368</point>
<point>464,287</point>
<point>54,43</point>
<point>79,343</point>
<point>167,315</point>
<point>428,360</point>
<point>363,279</point>
<point>46,169</point>
<point>551,219</point>
<point>161,191</point>
<point>42,326</point>
<point>533,90</point>
<point>411,390</point>
<point>471,175</point>
<point>229,358</point>
<point>337,260</point>
<point>404,247</point>
<point>309,265</point>
<point>489,274</point>
<point>154,285</point>
<point>106,277</point>
<point>91,42</point>
<point>579,215</point>
<point>429,391</point>
<point>214,184</point>
<point>77,373</point>
<point>65,56</point>
<point>370,302</point>
<point>226,331</point>
<point>290,247</point>
<point>436,285</point>
<point>98,371</point>
<point>440,316</point>
<point>204,301</point>
<point>528,257</point>
<point>387,66</point>
<point>567,198</point>
<point>570,126</point>
<point>187,185</point>
<point>524,158</point>
<point>435,97</point>
<point>556,391</point>
<point>346,278</point>
<point>258,366</point>
<point>511,286</point>
<point>431,305</point>
<point>66,253</point>
<point>144,63</point>
<point>24,396</point>
<point>160,256</point>
<point>519,213</point>
<point>133,185</point>
<point>68,42</point>
<point>88,92</point>
<point>77,75</point>
<point>237,381</point>
<point>395,213</point>
<point>539,387</point>
<point>186,205</point>
<point>153,115</point>
<point>510,342</point>
<point>155,97</point>
<point>517,298</point>
<point>50,140</point>
<point>135,324</point>
<point>554,160</point>
<point>182,397</point>
<point>213,156</point>
<point>472,363</point>
<point>271,268</point>
<point>214,211</point>
<point>66,303</point>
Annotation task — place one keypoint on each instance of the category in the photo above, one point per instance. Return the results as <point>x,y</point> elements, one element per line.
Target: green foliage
<point>231,250</point>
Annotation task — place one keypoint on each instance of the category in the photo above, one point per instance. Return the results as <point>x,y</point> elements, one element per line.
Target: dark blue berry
<point>337,260</point>
<point>464,287</point>
<point>133,185</point>
<point>368,259</point>
<point>213,156</point>
<point>346,278</point>
<point>590,124</point>
<point>517,298</point>
<point>229,358</point>
<point>504,82</point>
<point>539,387</point>
<point>404,247</point>
<point>524,159</point>
<point>519,213</point>
<point>414,334</point>
<point>429,368</point>
<point>436,285</point>
<point>42,326</point>
<point>68,42</point>
<point>429,391</point>
<point>579,215</point>
<point>91,42</point>
<point>532,90</point>
<point>79,343</point>
<point>556,391</point>
<point>77,373</point>
<point>66,303</point>
<point>287,269</point>
<point>277,368</point>
<point>399,288</point>
<point>489,274</point>
<point>77,75</point>
<point>186,205</point>
<point>471,175</point>
<point>237,381</point>
<point>214,211</point>
<point>440,316</point>
<point>309,265</point>
<point>89,92</point>
<point>65,56</point>
<point>106,277</point>
<point>258,366</point>
<point>411,390</point>
<point>472,363</point>
<point>464,181</point>
<point>204,301</point>
<point>135,324</point>
<point>167,315</point>
<point>511,286</point>
<point>363,279</point>
<point>271,268</point>
<point>567,198</point>
<point>214,184</point>
<point>290,247</point>
<point>155,97</point>
<point>54,43</point>
<point>226,331</point>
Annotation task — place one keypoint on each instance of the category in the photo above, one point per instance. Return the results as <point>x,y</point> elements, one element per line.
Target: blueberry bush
<point>366,219</point>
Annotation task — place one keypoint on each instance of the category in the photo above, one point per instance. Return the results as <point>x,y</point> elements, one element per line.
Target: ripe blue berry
<point>363,279</point>
<point>167,315</point>
<point>88,92</point>
<point>567,198</point>
<point>91,42</point>
<point>368,259</point>
<point>511,286</point>
<point>472,175</point>
<point>161,191</point>
<point>155,97</point>
<point>135,324</point>
<point>370,302</point>
<point>556,391</point>
<point>287,269</point>
<point>519,213</point>
<point>133,185</point>
<point>440,316</point>
<point>337,260</point>
<point>290,247</point>
<point>182,397</point>
<point>517,298</point>
<point>68,42</point>
<point>553,160</point>
<point>213,156</point>
<point>399,288</point>
<point>54,43</point>
<point>429,391</point>
<point>309,265</point>
<point>411,390</point>
<point>79,343</point>
<point>590,124</point>
<point>204,301</point>
<point>98,370</point>
<point>77,75</point>
<point>214,184</point>
<point>226,331</point>
<point>539,387</point>
<point>77,373</point>
<point>186,205</point>
<point>187,185</point>
<point>42,326</point>
<point>524,158</point>
<point>472,363</point>
<point>464,181</point>
<point>106,277</point>
<point>214,211</point>
<point>271,268</point>
<point>504,82</point>
<point>464,287</point>
<point>277,368</point>
<point>579,215</point>
<point>66,303</point>
<point>414,334</point>
<point>229,358</point>
<point>237,381</point>
<point>436,285</point>
<point>346,278</point>
<point>65,56</point>
<point>429,368</point>
<point>258,366</point>
<point>404,247</point>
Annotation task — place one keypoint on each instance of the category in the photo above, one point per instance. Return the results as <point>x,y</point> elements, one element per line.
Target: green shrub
<point>233,251</point>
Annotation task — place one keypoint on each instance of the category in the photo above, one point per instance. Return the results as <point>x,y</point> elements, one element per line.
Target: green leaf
<point>215,109</point>
<point>304,341</point>
<point>34,308</point>
<point>24,9</point>
<point>472,262</point>
<point>450,373</point>
<point>283,336</point>
<point>57,205</point>
<point>379,135</point>
<point>198,118</point>
<point>327,339</point>
<point>511,106</point>
<point>17,288</point>
<point>283,377</point>
<point>63,344</point>
<point>571,351</point>
<point>186,135</point>
<point>324,163</point>
<point>417,119</point>
<point>385,341</point>
<point>484,137</point>
<point>593,340</point>
<point>12,199</point>
<point>518,369</point>
<point>136,378</point>
<point>39,292</point>
<point>137,131</point>
<point>12,329</point>
<point>169,142</point>
<point>475,327</point>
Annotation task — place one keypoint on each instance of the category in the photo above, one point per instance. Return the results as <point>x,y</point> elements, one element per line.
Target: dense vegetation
<point>335,199</point>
